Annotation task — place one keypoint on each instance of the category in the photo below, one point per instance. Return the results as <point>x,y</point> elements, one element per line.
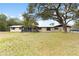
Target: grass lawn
<point>39,44</point>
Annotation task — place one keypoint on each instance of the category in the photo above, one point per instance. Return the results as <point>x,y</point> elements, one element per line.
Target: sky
<point>13,9</point>
<point>17,9</point>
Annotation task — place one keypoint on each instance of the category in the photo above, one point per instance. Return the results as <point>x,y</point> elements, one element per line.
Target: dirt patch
<point>4,35</point>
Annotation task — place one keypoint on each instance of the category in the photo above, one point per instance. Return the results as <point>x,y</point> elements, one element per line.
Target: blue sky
<point>16,10</point>
<point>13,9</point>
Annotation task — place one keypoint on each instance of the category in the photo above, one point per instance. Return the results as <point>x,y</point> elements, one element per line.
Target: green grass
<point>39,44</point>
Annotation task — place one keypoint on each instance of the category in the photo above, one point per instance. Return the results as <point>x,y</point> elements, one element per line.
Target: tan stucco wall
<point>42,30</point>
<point>61,29</point>
<point>45,30</point>
<point>52,29</point>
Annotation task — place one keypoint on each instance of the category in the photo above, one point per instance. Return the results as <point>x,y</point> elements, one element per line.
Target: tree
<point>63,13</point>
<point>76,25</point>
<point>3,22</point>
<point>29,21</point>
<point>14,21</point>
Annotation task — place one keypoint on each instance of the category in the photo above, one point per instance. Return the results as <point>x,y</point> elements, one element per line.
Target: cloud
<point>12,17</point>
<point>20,17</point>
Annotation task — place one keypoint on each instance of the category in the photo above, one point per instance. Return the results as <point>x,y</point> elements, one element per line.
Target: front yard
<point>39,44</point>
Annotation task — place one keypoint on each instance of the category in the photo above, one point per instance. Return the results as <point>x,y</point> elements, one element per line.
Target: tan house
<point>45,29</point>
<point>16,28</point>
<point>60,28</point>
<point>53,28</point>
<point>20,28</point>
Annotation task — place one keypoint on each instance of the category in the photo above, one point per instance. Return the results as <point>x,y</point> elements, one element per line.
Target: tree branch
<point>68,21</point>
<point>59,5</point>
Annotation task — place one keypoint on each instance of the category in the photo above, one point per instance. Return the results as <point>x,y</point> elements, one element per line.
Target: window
<point>48,29</point>
<point>20,28</point>
<point>13,28</point>
<point>39,28</point>
<point>56,28</point>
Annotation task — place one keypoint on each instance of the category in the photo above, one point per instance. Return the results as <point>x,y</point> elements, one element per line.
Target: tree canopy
<point>63,13</point>
<point>76,25</point>
<point>3,22</point>
<point>13,21</point>
<point>29,21</point>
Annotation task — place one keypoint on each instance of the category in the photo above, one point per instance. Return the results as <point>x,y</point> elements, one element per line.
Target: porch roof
<point>16,26</point>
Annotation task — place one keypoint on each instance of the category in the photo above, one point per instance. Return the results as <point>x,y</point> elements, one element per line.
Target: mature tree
<point>3,22</point>
<point>13,21</point>
<point>76,25</point>
<point>29,21</point>
<point>63,13</point>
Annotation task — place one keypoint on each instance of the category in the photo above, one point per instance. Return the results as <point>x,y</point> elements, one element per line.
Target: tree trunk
<point>65,28</point>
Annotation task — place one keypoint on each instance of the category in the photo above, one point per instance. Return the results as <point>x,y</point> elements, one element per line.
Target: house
<point>20,28</point>
<point>60,28</point>
<point>16,28</point>
<point>53,28</point>
<point>45,29</point>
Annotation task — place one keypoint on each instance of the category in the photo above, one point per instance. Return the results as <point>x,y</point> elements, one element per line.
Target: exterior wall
<point>44,29</point>
<point>15,30</point>
<point>68,29</point>
<point>61,29</point>
<point>53,29</point>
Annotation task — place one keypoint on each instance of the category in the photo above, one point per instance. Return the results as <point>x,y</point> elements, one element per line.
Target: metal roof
<point>16,26</point>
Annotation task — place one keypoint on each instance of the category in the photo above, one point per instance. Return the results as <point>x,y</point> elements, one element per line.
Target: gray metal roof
<point>16,26</point>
